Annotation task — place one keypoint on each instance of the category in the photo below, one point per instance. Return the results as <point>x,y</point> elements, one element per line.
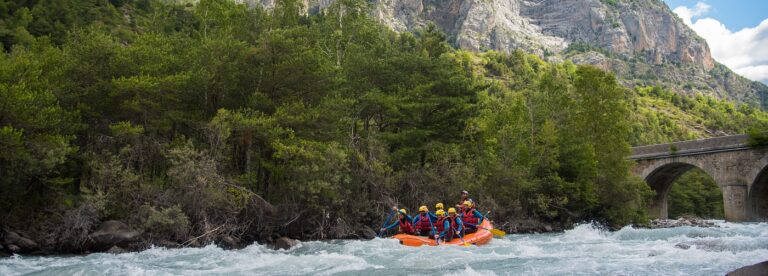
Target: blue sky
<point>735,14</point>
<point>736,31</point>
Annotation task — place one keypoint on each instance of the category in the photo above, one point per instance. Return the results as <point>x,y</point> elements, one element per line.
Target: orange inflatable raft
<point>480,237</point>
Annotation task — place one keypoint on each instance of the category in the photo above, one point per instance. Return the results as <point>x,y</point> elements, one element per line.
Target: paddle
<point>385,223</point>
<point>434,233</point>
<point>494,231</point>
<point>458,233</point>
<point>462,239</point>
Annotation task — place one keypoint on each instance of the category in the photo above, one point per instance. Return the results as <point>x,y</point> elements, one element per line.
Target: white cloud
<point>744,51</point>
<point>687,13</point>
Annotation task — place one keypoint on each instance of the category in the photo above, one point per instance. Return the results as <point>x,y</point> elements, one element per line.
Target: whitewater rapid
<point>586,249</point>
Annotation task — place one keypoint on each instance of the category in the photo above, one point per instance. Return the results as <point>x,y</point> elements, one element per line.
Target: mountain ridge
<point>643,42</point>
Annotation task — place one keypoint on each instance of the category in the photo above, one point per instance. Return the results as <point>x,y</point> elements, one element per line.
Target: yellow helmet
<point>440,213</point>
<point>439,206</point>
<point>468,203</point>
<point>423,209</point>
<point>402,211</point>
<point>451,210</point>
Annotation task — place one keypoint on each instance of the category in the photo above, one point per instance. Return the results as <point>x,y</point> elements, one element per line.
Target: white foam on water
<point>468,271</point>
<point>584,250</point>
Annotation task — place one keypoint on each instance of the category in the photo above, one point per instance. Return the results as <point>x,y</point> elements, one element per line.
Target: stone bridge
<point>740,171</point>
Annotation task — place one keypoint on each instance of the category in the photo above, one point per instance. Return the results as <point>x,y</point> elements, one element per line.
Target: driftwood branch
<point>188,242</point>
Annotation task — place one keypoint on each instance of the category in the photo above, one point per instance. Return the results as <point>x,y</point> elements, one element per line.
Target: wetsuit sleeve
<point>460,223</point>
<point>432,217</point>
<point>479,215</point>
<point>393,224</point>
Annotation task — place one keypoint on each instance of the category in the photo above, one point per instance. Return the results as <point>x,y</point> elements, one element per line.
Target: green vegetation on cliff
<point>216,118</point>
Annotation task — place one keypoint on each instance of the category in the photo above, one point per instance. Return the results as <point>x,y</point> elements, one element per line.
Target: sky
<point>736,31</point>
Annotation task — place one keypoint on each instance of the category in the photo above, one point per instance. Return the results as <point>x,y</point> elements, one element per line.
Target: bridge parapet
<point>684,148</point>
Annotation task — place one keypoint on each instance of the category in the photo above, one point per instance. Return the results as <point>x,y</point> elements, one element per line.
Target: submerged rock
<point>229,242</point>
<point>167,244</point>
<point>285,243</point>
<point>682,221</point>
<point>112,233</point>
<point>683,246</point>
<point>751,270</point>
<point>116,250</point>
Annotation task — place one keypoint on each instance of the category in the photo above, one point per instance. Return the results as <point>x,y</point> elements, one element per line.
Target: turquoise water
<point>584,250</point>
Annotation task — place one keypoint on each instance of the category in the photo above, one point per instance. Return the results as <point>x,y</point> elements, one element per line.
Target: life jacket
<point>439,224</point>
<point>424,223</point>
<point>469,217</point>
<point>406,226</point>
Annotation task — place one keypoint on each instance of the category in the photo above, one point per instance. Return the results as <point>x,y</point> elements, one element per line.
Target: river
<point>584,250</point>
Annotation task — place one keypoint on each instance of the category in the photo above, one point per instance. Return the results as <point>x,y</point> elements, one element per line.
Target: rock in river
<point>751,270</point>
<point>285,243</point>
<point>366,232</point>
<point>112,233</point>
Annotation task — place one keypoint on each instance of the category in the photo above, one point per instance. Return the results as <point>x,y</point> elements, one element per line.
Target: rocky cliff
<point>642,41</point>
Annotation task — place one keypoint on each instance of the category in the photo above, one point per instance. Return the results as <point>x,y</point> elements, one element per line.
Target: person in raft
<point>424,221</point>
<point>404,223</point>
<point>439,206</point>
<point>471,217</point>
<point>449,227</point>
<point>464,197</point>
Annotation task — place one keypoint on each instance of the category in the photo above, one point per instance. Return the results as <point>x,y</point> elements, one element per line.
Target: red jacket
<point>423,223</point>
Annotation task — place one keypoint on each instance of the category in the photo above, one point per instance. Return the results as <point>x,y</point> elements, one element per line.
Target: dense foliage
<point>663,116</point>
<point>695,194</point>
<point>217,118</point>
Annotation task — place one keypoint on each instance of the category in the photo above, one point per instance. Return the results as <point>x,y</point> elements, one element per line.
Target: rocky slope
<point>642,41</point>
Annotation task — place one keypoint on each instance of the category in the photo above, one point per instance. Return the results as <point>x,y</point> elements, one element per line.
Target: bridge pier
<point>735,201</point>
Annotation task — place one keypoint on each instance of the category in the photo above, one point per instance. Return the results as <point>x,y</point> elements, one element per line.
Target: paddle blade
<point>498,233</point>
<point>466,244</point>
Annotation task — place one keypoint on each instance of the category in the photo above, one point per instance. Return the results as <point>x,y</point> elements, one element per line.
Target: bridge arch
<point>738,168</point>
<point>663,173</point>
<point>758,191</point>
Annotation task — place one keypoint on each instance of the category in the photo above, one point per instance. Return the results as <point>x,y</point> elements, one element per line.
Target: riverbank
<point>116,237</point>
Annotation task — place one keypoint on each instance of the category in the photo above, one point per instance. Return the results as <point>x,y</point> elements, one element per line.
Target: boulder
<point>22,244</point>
<point>112,233</point>
<point>285,243</point>
<point>366,232</point>
<point>116,250</point>
<point>751,270</point>
<point>229,242</point>
<point>683,246</point>
<point>14,248</point>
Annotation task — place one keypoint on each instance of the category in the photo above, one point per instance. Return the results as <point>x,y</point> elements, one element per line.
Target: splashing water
<point>583,250</point>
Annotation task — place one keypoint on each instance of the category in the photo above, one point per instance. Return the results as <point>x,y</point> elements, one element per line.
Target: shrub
<point>168,223</point>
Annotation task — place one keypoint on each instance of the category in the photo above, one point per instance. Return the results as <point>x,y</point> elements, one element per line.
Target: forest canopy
<point>181,118</point>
